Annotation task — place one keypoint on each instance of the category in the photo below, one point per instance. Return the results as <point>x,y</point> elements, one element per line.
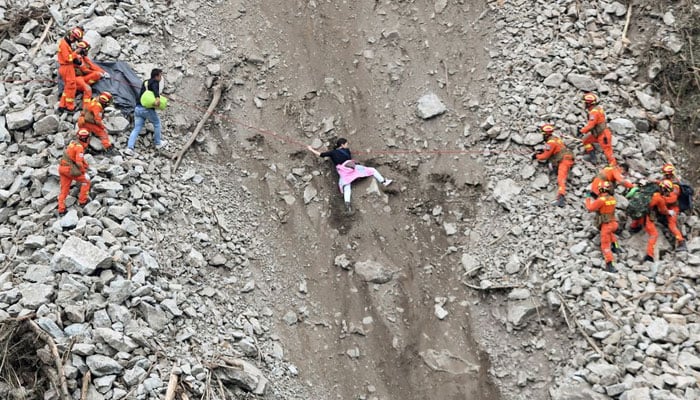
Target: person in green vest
<point>148,112</point>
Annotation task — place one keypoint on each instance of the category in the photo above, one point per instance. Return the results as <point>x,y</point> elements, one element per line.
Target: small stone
<point>101,365</point>
<point>372,271</point>
<point>430,106</point>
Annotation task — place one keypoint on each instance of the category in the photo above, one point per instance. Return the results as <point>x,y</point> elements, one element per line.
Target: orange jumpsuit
<point>599,132</point>
<point>671,200</point>
<point>75,153</point>
<point>605,206</point>
<point>98,128</point>
<point>611,174</point>
<point>87,74</point>
<point>657,202</point>
<point>556,152</point>
<point>66,69</point>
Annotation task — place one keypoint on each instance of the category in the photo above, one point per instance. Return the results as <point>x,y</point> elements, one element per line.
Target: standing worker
<point>604,205</point>
<point>656,204</point>
<point>671,199</point>
<point>596,130</point>
<point>87,73</point>
<point>613,174</point>
<point>73,167</point>
<point>562,159</point>
<point>67,61</point>
<point>142,113</point>
<point>91,118</point>
<point>348,170</point>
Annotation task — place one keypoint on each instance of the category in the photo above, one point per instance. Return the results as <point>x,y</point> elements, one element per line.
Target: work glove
<point>671,213</point>
<point>632,192</point>
<point>77,61</point>
<point>105,75</point>
<point>591,195</point>
<point>534,156</point>
<point>578,130</point>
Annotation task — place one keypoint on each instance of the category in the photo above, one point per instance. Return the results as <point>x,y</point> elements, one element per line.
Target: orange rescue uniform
<point>74,154</point>
<point>97,128</point>
<point>561,158</point>
<point>671,200</point>
<point>612,174</point>
<point>605,206</point>
<point>599,132</point>
<point>658,204</point>
<point>87,74</point>
<point>66,69</point>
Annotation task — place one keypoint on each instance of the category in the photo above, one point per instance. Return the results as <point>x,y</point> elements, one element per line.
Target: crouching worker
<point>348,169</point>
<point>605,220</point>
<point>562,159</point>
<point>73,167</point>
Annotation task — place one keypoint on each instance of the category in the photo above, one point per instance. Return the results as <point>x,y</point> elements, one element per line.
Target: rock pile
<point>638,329</point>
<point>112,283</point>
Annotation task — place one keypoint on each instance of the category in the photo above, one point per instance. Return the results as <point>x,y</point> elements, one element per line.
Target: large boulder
<point>80,257</point>
<point>20,119</point>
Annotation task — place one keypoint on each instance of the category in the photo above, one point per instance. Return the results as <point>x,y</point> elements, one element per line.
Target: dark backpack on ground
<point>639,203</point>
<point>685,200</point>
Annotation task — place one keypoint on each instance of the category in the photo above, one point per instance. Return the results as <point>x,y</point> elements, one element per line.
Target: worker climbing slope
<point>596,130</point>
<point>604,205</point>
<point>559,156</point>
<point>91,118</point>
<point>68,59</point>
<point>73,167</point>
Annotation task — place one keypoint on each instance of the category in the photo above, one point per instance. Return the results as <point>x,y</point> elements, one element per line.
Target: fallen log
<point>172,385</point>
<point>200,125</point>
<point>63,384</point>
<point>41,39</point>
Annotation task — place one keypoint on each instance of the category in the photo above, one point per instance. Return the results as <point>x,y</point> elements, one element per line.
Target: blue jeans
<point>141,114</point>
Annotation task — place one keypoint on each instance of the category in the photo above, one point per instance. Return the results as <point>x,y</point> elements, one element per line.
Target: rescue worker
<point>613,174</point>
<point>87,73</point>
<point>67,60</point>
<point>73,167</point>
<point>656,204</point>
<point>596,130</point>
<point>559,156</point>
<point>604,205</point>
<point>91,118</point>
<point>671,200</point>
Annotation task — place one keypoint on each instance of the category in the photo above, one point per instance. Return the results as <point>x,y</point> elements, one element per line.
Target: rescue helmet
<point>77,33</point>
<point>590,99</point>
<point>83,135</point>
<point>605,186</point>
<point>666,185</point>
<point>547,130</point>
<point>83,45</point>
<point>668,169</point>
<point>105,98</point>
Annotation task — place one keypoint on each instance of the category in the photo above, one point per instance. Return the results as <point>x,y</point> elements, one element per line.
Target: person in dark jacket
<point>348,169</point>
<point>141,113</point>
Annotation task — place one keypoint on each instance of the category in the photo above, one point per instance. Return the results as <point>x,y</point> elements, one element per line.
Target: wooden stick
<point>63,389</point>
<point>468,273</point>
<point>200,125</point>
<point>85,387</point>
<point>580,328</point>
<point>623,39</point>
<point>692,61</point>
<point>172,385</point>
<point>41,39</point>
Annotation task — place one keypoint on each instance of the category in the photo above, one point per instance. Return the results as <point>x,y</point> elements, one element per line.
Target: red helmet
<point>605,186</point>
<point>83,45</point>
<point>77,33</point>
<point>666,185</point>
<point>668,169</point>
<point>83,135</point>
<point>105,98</point>
<point>590,99</point>
<point>547,130</point>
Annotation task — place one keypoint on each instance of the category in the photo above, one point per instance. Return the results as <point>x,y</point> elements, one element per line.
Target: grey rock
<point>649,143</point>
<point>106,186</point>
<point>207,48</point>
<point>7,177</point>
<point>38,274</point>
<point>582,82</point>
<point>4,133</point>
<point>554,80</point>
<point>156,318</point>
<point>519,311</point>
<point>372,271</point>
<point>50,327</point>
<point>46,126</point>
<point>343,262</point>
<point>35,242</point>
<point>444,361</point>
<point>290,318</point>
<point>83,349</point>
<point>622,126</point>
<point>469,263</point>
<point>101,365</point>
<point>119,211</point>
<point>429,106</point>
<point>310,193</point>
<point>170,305</point>
<point>636,394</point>
<point>246,377</point>
<point>578,248</point>
<point>576,391</point>
<point>110,47</point>
<point>12,47</point>
<point>117,124</point>
<point>657,329</point>
<point>650,103</point>
<point>20,119</point>
<point>80,257</point>
<point>114,339</point>
<point>35,294</point>
<point>505,192</point>
<point>133,376</point>
<point>102,24</point>
<point>687,359</point>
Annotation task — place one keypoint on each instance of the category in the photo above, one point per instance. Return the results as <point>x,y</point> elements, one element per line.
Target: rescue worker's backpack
<point>89,116</point>
<point>639,203</point>
<point>685,200</point>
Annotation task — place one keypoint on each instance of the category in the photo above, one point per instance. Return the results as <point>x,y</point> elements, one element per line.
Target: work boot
<point>349,210</point>
<point>591,157</point>
<point>560,201</point>
<point>681,246</point>
<point>635,229</point>
<point>648,258</point>
<point>62,212</point>
<point>615,248</point>
<point>610,267</point>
